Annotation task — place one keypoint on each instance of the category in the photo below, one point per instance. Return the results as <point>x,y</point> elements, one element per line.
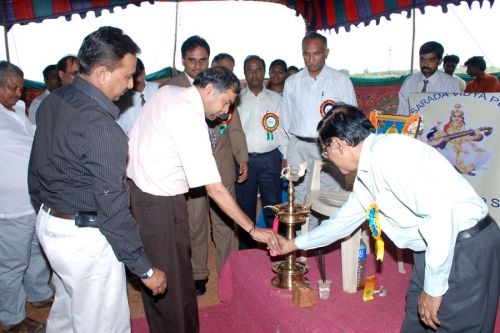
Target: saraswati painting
<point>462,146</point>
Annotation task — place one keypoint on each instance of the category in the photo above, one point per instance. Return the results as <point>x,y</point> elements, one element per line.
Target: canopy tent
<point>318,14</point>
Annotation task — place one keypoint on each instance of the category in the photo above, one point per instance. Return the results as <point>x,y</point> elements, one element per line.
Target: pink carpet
<point>250,304</point>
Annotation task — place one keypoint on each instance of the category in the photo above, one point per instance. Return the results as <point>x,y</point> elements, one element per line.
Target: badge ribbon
<point>325,107</point>
<point>270,122</point>
<point>373,217</point>
<point>224,122</point>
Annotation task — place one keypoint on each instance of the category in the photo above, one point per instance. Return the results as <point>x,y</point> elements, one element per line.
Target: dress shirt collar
<point>321,74</point>
<point>433,78</point>
<point>364,158</point>
<point>17,109</point>
<point>91,90</point>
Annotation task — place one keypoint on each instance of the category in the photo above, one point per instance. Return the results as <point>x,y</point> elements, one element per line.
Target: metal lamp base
<point>285,276</point>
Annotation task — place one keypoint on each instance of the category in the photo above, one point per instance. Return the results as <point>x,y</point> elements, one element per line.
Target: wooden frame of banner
<point>400,124</point>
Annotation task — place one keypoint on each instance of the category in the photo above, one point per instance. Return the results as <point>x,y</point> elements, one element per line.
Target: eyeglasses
<point>324,153</point>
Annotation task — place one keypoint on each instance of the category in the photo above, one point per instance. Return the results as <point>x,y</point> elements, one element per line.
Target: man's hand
<point>428,307</point>
<point>243,172</point>
<point>157,283</point>
<point>269,237</point>
<point>284,164</point>
<point>287,246</point>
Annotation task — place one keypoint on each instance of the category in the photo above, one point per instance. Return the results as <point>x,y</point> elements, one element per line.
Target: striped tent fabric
<point>333,14</point>
<point>26,11</point>
<point>318,14</point>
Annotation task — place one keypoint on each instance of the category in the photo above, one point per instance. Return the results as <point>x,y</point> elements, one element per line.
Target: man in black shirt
<point>77,178</point>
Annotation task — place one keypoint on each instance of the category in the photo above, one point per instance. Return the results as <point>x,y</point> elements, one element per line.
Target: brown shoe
<point>43,304</point>
<point>28,325</point>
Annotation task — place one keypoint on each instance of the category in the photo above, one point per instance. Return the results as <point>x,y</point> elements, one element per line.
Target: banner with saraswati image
<point>465,128</point>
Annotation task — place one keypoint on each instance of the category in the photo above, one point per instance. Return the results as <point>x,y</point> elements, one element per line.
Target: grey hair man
<point>24,272</point>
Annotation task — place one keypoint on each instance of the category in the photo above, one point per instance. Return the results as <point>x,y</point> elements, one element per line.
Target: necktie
<point>213,137</point>
<point>424,89</point>
<point>143,101</point>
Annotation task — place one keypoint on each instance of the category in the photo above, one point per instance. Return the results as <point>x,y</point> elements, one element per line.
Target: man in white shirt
<point>169,152</point>
<point>133,100</point>
<point>450,63</point>
<point>262,121</point>
<point>195,53</point>
<point>308,95</point>
<point>24,272</point>
<point>429,79</point>
<point>409,191</point>
<point>51,82</point>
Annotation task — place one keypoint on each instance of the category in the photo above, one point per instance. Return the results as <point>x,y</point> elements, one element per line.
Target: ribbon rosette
<point>373,217</point>
<point>270,122</point>
<point>224,121</point>
<point>325,107</point>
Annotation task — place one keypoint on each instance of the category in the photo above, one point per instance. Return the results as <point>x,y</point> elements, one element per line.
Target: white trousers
<point>90,282</point>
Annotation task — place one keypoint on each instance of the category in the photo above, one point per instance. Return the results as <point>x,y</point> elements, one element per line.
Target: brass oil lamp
<point>290,214</point>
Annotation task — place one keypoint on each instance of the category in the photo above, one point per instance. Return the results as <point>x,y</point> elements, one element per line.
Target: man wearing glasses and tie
<point>429,79</point>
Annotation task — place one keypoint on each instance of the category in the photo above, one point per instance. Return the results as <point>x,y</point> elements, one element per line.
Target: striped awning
<point>318,14</point>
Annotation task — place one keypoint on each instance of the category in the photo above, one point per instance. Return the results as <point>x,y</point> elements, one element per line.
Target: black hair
<point>451,58</point>
<point>279,62</point>
<point>139,68</point>
<point>47,70</point>
<point>314,35</point>
<point>192,43</point>
<point>222,78</point>
<point>62,64</point>
<point>222,56</point>
<point>254,57</point>
<point>106,46</point>
<point>476,61</point>
<point>9,68</point>
<point>432,47</point>
<point>345,122</point>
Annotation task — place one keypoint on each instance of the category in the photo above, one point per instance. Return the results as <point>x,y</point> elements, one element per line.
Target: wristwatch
<point>147,275</point>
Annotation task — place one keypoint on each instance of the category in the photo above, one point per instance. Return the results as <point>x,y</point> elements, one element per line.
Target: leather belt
<point>58,214</point>
<point>468,233</point>
<point>260,154</point>
<point>310,140</point>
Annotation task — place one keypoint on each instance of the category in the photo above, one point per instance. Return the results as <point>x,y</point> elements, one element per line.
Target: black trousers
<point>264,172</point>
<point>471,302</point>
<point>165,235</point>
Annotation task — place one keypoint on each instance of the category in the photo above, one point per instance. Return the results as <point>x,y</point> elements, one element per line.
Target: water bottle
<point>360,273</point>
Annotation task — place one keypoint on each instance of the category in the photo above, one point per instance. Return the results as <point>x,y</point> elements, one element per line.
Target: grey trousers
<point>24,271</point>
<point>471,302</point>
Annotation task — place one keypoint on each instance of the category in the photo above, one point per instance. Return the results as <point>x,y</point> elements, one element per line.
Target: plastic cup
<point>324,288</point>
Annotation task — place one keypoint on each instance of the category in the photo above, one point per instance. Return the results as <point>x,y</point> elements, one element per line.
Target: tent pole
<point>412,42</point>
<point>6,44</point>
<point>174,70</point>
<point>4,20</point>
